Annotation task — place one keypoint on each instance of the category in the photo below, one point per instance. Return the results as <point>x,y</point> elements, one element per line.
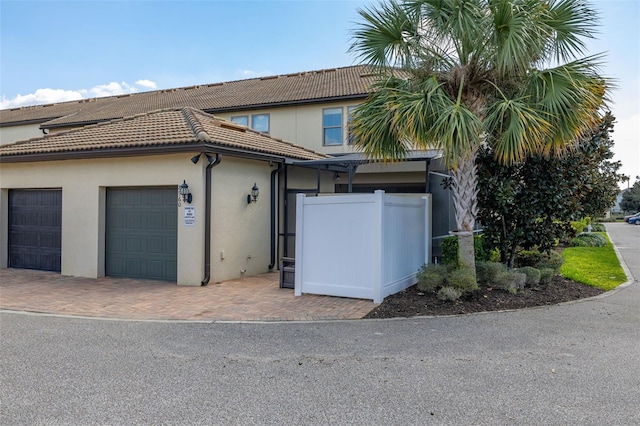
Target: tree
<point>595,175</point>
<point>530,204</point>
<point>631,198</point>
<point>458,74</point>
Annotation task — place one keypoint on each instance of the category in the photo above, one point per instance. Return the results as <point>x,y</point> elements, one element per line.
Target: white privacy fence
<point>365,246</point>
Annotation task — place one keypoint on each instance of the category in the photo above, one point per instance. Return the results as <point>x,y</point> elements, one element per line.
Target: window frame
<point>253,116</point>
<point>245,116</point>
<point>327,127</point>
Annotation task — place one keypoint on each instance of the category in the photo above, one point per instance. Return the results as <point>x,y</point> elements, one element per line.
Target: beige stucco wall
<point>301,124</point>
<point>241,230</point>
<point>11,134</point>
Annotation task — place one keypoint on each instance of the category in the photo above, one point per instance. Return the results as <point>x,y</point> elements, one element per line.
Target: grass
<point>594,266</point>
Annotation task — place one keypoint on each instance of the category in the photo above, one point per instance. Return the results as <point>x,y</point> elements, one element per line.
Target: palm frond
<point>385,37</point>
<point>570,23</point>
<point>571,95</point>
<point>376,124</point>
<point>518,129</point>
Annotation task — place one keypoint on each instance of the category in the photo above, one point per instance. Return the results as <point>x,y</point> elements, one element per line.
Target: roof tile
<point>177,126</point>
<point>354,81</point>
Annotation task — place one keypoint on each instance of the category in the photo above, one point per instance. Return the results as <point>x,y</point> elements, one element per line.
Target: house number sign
<point>189,216</point>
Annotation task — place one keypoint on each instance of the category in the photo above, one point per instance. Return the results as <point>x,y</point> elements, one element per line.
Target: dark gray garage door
<point>141,233</point>
<point>35,225</point>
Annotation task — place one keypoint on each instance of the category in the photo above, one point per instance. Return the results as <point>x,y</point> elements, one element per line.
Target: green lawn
<point>594,266</point>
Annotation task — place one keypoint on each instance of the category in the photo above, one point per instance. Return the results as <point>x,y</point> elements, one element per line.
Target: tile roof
<point>304,87</point>
<point>164,129</point>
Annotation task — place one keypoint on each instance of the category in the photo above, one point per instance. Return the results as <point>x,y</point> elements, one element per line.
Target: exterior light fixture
<point>183,190</point>
<point>253,197</point>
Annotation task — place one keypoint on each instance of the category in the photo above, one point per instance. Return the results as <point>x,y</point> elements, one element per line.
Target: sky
<point>54,51</point>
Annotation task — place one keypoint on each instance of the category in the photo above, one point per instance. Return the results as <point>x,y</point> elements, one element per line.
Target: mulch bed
<point>413,302</point>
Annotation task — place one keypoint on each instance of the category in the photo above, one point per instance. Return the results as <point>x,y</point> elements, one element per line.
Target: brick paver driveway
<point>251,299</point>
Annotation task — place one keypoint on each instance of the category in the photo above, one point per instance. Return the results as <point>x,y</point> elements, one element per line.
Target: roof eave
<point>142,151</point>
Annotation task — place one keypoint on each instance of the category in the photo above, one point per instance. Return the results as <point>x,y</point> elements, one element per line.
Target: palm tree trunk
<point>465,196</point>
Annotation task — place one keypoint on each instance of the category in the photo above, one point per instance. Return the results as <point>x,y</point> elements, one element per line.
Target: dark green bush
<point>539,260</point>
<point>486,271</point>
<point>598,227</point>
<point>546,275</point>
<point>449,249</point>
<point>431,277</point>
<point>588,240</point>
<point>533,275</point>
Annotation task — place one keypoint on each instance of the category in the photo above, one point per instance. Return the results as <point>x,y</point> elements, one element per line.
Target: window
<point>332,126</point>
<point>242,120</point>
<point>260,122</point>
<point>349,115</point>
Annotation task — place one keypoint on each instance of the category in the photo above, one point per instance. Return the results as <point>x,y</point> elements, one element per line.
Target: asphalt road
<point>576,364</point>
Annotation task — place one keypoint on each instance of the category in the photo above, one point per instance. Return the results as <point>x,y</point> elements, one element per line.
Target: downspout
<point>426,176</point>
<point>207,218</point>
<point>274,202</point>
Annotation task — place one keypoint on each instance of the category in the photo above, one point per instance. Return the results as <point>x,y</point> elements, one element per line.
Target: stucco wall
<point>241,230</point>
<point>19,133</point>
<point>302,125</point>
<point>240,239</point>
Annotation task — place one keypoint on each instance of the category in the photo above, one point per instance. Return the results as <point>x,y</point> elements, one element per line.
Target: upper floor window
<point>332,126</point>
<point>242,120</point>
<point>260,122</point>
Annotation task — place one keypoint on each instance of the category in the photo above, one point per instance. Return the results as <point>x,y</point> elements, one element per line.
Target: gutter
<point>135,151</point>
<point>207,218</point>
<point>274,203</point>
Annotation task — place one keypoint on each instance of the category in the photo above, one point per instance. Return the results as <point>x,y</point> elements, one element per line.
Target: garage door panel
<point>171,246</point>
<point>134,245</point>
<point>35,229</point>
<point>142,233</point>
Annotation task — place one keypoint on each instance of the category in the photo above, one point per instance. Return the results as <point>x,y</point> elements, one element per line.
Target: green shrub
<point>533,275</point>
<point>588,240</point>
<point>486,271</point>
<point>462,279</point>
<point>579,225</point>
<point>449,293</point>
<point>449,249</point>
<point>431,277</point>
<point>546,275</point>
<point>510,281</point>
<point>598,227</point>
<point>539,260</point>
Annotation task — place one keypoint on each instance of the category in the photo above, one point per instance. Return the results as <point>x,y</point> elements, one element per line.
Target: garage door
<point>35,225</point>
<point>141,233</point>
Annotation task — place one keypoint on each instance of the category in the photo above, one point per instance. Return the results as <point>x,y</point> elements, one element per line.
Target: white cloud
<point>147,83</point>
<point>51,96</point>
<point>111,89</point>
<point>251,73</point>
<point>41,96</point>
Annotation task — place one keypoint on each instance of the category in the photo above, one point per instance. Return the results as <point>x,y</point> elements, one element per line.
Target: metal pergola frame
<point>349,163</point>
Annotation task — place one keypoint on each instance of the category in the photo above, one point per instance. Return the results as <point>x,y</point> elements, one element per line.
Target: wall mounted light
<point>253,197</point>
<point>183,190</point>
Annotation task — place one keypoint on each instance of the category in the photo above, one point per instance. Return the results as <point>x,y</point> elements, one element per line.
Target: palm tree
<point>457,74</point>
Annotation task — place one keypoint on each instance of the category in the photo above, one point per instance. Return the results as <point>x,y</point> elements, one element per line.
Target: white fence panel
<point>363,246</point>
<point>405,243</point>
